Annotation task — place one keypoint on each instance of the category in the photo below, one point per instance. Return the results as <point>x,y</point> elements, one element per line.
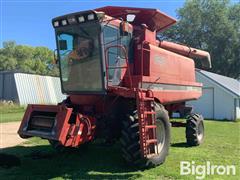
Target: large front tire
<point>131,151</point>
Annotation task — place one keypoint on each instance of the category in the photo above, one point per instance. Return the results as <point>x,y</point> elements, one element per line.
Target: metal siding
<point>1,86</point>
<point>205,104</point>
<point>7,86</point>
<point>57,89</point>
<point>36,89</point>
<point>224,105</point>
<point>238,109</point>
<point>223,101</point>
<point>52,95</point>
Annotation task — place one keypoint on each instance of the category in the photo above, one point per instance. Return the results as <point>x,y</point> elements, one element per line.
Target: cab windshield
<point>80,62</point>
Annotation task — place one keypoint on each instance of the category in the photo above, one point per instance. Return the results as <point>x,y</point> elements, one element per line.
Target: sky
<point>28,22</point>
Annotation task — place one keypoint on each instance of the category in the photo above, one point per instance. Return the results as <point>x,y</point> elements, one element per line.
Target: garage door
<point>204,105</point>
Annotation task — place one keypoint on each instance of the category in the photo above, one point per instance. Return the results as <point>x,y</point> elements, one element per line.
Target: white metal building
<point>220,99</point>
<point>30,88</point>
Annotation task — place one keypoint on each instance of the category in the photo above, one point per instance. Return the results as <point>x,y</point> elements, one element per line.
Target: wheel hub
<point>160,136</point>
<point>200,132</point>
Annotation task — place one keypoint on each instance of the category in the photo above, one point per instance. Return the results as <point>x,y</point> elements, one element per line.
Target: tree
<point>27,59</point>
<point>7,63</point>
<point>214,26</point>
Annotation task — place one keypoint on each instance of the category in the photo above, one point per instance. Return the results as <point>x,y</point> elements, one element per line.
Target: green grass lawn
<point>10,113</point>
<point>40,161</point>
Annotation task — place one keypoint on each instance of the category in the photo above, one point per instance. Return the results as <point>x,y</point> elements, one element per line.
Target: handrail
<point>142,49</point>
<point>120,67</point>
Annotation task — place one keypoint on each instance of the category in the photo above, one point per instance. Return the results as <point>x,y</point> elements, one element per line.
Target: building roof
<point>228,83</point>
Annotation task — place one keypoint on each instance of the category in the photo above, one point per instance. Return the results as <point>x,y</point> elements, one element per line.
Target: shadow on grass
<point>181,144</point>
<point>221,120</point>
<point>42,162</point>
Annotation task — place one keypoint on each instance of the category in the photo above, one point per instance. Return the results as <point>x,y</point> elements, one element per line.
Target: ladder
<point>147,122</point>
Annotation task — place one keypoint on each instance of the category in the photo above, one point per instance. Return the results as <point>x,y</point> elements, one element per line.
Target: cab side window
<point>112,37</point>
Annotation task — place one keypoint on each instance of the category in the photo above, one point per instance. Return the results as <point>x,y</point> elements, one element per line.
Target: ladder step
<point>151,141</point>
<point>147,118</point>
<point>147,99</point>
<point>150,126</point>
<point>149,112</point>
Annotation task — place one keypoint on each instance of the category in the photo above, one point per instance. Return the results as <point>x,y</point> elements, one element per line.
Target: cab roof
<point>153,18</point>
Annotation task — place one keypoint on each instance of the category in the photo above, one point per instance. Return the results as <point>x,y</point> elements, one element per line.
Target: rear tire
<point>194,130</point>
<point>130,143</point>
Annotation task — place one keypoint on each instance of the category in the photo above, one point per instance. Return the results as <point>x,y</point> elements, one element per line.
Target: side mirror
<point>55,60</point>
<point>62,44</point>
<point>124,28</point>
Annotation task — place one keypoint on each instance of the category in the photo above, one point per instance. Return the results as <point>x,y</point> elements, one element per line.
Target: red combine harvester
<point>122,84</point>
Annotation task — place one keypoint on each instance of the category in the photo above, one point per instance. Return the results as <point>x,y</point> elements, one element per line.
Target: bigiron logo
<point>200,171</point>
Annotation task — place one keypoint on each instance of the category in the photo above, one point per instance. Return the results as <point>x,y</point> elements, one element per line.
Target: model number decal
<point>159,59</point>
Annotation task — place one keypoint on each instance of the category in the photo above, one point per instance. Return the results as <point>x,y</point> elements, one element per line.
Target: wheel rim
<point>160,133</point>
<point>200,131</point>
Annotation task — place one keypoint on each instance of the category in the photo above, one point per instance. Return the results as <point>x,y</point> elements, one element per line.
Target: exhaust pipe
<point>188,52</point>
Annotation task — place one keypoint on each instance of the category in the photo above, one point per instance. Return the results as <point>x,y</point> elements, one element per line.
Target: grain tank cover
<point>153,18</point>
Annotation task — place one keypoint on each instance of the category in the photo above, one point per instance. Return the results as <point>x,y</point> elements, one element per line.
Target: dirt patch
<point>8,134</point>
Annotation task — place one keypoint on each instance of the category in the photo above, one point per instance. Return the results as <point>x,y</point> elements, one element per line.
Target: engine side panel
<point>171,76</point>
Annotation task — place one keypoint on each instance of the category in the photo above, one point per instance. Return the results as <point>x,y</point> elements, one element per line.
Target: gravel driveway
<point>8,134</point>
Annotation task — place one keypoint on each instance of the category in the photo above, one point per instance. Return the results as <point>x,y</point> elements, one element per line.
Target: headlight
<point>90,16</point>
<point>71,20</point>
<point>56,24</point>
<point>64,22</point>
<point>81,19</point>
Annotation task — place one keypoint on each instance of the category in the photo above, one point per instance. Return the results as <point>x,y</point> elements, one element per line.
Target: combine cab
<point>122,84</point>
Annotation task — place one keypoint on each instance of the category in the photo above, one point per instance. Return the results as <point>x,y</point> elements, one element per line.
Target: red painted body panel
<point>58,133</point>
<point>170,67</point>
<point>155,19</point>
<point>171,97</point>
<point>68,134</point>
<point>161,67</point>
<point>159,71</point>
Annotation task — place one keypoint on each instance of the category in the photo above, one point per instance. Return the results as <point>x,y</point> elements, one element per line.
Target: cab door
<point>116,49</point>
